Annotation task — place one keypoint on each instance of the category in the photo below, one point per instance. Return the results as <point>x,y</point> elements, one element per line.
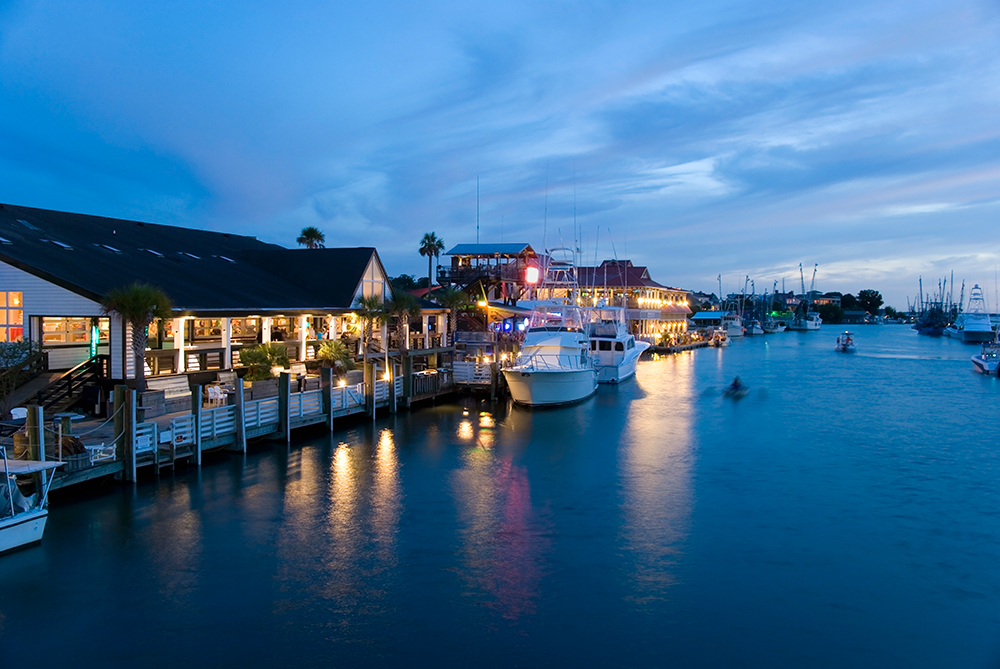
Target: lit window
<point>11,316</point>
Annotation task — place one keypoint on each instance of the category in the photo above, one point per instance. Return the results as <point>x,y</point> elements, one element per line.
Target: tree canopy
<point>138,305</point>
<point>870,300</point>
<point>431,247</point>
<point>311,238</point>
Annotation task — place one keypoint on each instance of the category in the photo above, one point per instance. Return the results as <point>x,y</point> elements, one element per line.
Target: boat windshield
<point>556,317</point>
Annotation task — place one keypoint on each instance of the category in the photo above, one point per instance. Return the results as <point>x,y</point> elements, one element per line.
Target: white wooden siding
<point>42,298</point>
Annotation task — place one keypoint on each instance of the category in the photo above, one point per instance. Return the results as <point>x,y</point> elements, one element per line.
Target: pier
<point>127,441</point>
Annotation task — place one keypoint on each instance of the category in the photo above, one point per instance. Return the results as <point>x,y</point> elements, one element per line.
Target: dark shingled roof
<point>200,270</point>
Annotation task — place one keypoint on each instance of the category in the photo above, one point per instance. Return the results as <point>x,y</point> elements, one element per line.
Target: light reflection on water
<point>843,513</point>
<point>656,467</point>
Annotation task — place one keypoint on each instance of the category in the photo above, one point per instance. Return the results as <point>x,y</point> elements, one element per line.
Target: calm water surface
<point>844,514</point>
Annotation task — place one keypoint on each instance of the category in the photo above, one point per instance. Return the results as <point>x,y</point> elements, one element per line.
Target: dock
<point>127,442</point>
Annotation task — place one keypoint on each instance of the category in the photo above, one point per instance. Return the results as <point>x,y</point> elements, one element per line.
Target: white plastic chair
<point>18,413</point>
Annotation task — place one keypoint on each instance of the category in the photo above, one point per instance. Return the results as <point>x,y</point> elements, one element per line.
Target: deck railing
<point>217,422</point>
<point>260,412</point>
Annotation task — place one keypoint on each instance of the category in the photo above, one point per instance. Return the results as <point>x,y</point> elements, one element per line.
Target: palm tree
<point>311,238</point>
<point>431,247</point>
<point>138,305</point>
<point>455,300</point>
<point>403,307</point>
<point>370,310</point>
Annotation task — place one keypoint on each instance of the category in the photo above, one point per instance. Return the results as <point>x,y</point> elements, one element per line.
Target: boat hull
<point>977,336</point>
<point>625,369</point>
<point>984,366</point>
<point>22,529</point>
<point>550,388</point>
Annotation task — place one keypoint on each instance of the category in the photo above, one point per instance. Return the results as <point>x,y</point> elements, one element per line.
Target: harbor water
<point>844,513</point>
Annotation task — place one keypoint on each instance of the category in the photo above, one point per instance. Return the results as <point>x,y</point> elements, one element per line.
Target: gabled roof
<point>201,271</point>
<point>491,250</point>
<point>616,276</point>
<point>330,277</point>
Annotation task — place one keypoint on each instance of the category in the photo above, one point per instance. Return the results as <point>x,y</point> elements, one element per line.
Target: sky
<point>730,138</point>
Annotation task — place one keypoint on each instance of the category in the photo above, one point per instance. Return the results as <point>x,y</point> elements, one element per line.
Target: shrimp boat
<point>614,349</point>
<point>554,366</point>
<point>22,519</point>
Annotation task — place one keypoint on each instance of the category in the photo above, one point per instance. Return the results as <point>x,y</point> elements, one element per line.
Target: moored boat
<point>614,349</point>
<point>22,519</point>
<point>554,366</point>
<point>973,325</point>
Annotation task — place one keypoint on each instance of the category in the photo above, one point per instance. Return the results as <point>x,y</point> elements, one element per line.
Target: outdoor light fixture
<point>531,274</point>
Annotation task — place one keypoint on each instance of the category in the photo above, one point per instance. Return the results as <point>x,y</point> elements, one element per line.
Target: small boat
<point>22,519</point>
<point>614,349</point>
<point>845,343</point>
<point>805,321</point>
<point>736,390</point>
<point>988,358</point>
<point>719,339</point>
<point>932,322</point>
<point>754,328</point>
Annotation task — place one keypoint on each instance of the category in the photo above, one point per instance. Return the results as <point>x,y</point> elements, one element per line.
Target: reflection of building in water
<point>656,473</point>
<point>502,550</point>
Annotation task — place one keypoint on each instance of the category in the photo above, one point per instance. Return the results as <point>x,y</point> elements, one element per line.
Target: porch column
<point>265,330</point>
<point>303,334</point>
<point>441,325</point>
<point>331,327</point>
<point>427,330</point>
<point>179,344</point>
<point>227,342</point>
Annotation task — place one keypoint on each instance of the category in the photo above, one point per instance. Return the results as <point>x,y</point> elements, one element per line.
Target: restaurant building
<point>228,291</point>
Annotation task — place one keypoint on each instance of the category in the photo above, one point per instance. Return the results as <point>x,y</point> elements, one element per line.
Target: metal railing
<point>67,388</point>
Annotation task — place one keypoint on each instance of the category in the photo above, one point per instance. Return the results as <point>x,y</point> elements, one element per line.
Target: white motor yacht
<point>555,365</point>
<point>22,519</point>
<point>614,349</point>
<point>973,325</point>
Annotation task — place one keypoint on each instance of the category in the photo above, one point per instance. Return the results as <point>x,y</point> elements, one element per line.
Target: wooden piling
<point>118,412</point>
<point>128,434</point>
<point>326,386</point>
<point>241,432</point>
<point>196,412</point>
<point>284,396</point>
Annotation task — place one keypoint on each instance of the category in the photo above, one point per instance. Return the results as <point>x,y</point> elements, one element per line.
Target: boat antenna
<point>545,215</point>
<point>477,208</point>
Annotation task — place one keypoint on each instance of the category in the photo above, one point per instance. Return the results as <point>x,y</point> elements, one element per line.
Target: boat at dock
<point>754,328</point>
<point>554,366</point>
<point>932,322</point>
<point>805,321</point>
<point>845,343</point>
<point>732,322</point>
<point>614,349</point>
<point>973,325</point>
<point>22,519</point>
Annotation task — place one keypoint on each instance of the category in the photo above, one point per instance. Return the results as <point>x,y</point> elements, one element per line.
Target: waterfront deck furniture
<point>176,392</point>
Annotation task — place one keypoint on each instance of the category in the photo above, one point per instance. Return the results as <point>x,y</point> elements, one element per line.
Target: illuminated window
<point>11,316</point>
<point>65,331</point>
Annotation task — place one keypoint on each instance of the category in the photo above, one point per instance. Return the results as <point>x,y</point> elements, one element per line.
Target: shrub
<point>260,359</point>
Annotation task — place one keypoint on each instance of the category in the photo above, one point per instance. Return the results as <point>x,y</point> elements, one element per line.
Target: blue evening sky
<point>739,137</point>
